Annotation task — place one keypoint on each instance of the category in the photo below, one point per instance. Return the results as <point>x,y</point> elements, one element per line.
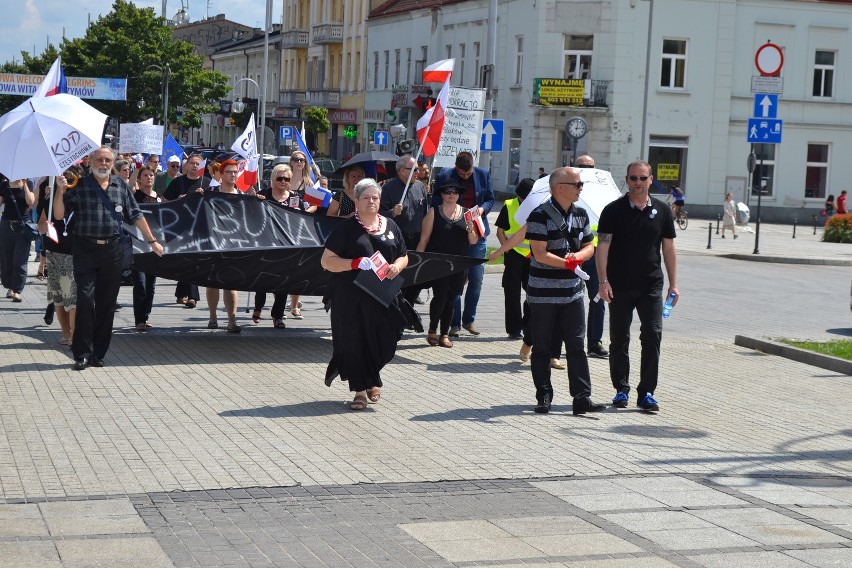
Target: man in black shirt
<point>631,232</point>
<point>98,252</point>
<point>193,180</point>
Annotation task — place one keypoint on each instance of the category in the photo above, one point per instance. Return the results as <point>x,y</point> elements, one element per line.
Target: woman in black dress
<point>445,230</point>
<point>364,332</point>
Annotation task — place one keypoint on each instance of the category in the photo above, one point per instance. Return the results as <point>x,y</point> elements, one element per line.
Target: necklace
<point>378,228</point>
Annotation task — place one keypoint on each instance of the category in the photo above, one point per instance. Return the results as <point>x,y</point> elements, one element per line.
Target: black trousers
<point>187,290</point>
<point>648,304</point>
<point>143,295</point>
<point>516,272</point>
<point>278,304</point>
<point>568,323</point>
<point>97,271</point>
<point>410,293</point>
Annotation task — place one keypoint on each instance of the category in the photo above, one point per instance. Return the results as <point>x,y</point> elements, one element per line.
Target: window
<point>420,64</point>
<point>476,62</point>
<point>816,174</point>
<point>408,68</point>
<point>519,59</point>
<point>396,67</point>
<point>515,140</point>
<point>461,64</point>
<point>673,70</point>
<point>577,56</point>
<point>387,67</point>
<point>765,171</point>
<point>375,69</point>
<point>823,74</point>
<point>449,51</point>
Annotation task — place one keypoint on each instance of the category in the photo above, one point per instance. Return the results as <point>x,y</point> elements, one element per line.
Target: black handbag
<point>28,228</point>
<point>124,239</point>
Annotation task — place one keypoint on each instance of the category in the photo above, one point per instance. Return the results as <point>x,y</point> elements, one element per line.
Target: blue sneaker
<point>649,404</point>
<point>620,400</point>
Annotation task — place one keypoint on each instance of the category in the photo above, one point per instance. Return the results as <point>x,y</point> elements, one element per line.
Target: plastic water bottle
<point>667,307</point>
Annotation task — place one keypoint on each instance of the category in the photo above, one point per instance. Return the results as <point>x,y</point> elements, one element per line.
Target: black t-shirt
<point>15,201</point>
<point>634,260</point>
<point>502,221</point>
<point>182,185</point>
<point>64,232</point>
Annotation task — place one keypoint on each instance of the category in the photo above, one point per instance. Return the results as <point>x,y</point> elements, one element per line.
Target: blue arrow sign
<point>765,106</point>
<point>492,136</point>
<point>380,137</point>
<point>764,131</point>
<point>285,133</point>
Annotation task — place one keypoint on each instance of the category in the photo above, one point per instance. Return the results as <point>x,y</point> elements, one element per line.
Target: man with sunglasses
<point>161,183</point>
<point>560,239</point>
<point>478,193</point>
<point>631,233</point>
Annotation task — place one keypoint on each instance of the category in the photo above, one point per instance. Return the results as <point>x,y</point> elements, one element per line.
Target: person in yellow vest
<point>516,270</point>
<point>597,307</point>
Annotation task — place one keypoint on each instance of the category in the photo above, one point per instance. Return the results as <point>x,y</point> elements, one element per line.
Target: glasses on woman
<point>231,172</point>
<point>298,160</point>
<point>283,178</point>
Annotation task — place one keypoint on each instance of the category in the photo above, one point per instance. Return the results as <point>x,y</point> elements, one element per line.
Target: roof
<point>393,7</point>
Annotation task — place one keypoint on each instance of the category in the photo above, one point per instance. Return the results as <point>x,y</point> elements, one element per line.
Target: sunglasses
<point>638,178</point>
<point>450,192</point>
<point>231,172</point>
<point>174,165</point>
<point>282,178</point>
<point>298,160</point>
<point>577,184</point>
<point>583,166</point>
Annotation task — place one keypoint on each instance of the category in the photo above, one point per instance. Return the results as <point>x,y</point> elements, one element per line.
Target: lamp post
<point>166,71</point>
<point>239,106</point>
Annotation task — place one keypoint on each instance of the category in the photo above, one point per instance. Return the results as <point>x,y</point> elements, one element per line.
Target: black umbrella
<point>368,161</point>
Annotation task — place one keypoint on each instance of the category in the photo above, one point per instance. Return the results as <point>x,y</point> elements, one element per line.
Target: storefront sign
<point>343,116</point>
<point>668,172</point>
<point>558,92</point>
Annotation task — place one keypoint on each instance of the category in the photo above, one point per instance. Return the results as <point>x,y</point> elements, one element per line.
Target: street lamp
<point>239,106</point>
<point>166,71</point>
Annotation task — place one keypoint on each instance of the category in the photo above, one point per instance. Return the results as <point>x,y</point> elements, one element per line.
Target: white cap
<point>174,159</point>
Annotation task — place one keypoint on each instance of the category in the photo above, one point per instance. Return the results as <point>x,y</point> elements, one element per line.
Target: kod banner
<point>80,87</point>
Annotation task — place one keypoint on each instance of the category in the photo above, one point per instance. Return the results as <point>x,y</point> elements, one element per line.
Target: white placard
<point>145,138</point>
<point>462,126</point>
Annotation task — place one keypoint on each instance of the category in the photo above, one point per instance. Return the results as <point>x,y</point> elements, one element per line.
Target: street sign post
<point>285,133</point>
<point>766,106</point>
<point>380,137</point>
<point>764,131</point>
<point>492,136</point>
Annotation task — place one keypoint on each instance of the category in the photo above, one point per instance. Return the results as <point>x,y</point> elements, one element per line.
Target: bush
<point>838,229</point>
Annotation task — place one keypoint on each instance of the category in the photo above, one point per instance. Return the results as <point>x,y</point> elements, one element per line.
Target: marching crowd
<point>557,259</point>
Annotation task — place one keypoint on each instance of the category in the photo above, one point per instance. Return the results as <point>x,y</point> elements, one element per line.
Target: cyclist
<point>676,193</point>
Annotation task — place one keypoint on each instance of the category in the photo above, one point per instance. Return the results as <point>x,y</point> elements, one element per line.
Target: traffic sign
<point>769,60</point>
<point>770,85</point>
<point>492,136</point>
<point>764,131</point>
<point>285,133</point>
<point>380,137</point>
<point>765,106</point>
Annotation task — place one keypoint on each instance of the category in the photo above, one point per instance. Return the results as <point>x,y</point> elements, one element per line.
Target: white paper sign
<point>145,138</point>
<point>462,127</point>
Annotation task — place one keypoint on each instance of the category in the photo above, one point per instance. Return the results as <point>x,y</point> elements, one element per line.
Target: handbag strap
<point>15,203</point>
<point>559,221</point>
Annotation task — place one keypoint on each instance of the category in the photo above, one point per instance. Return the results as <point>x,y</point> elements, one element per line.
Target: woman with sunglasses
<point>279,192</point>
<point>301,180</point>
<point>445,230</point>
<point>343,204</point>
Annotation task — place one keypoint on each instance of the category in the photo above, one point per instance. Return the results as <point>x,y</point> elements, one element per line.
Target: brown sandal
<point>359,403</point>
<point>432,338</point>
<point>374,394</point>
<point>444,341</point>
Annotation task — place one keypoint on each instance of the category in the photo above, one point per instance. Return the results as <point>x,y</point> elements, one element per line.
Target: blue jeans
<point>475,274</point>
<point>14,254</point>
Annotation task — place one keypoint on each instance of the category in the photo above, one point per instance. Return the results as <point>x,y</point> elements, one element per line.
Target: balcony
<point>291,98</point>
<point>328,33</point>
<point>294,39</point>
<point>570,92</point>
<point>326,99</point>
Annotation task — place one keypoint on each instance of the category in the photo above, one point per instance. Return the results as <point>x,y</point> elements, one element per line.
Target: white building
<point>681,99</point>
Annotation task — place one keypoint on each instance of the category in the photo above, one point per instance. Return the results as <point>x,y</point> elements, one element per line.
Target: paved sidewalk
<point>197,448</point>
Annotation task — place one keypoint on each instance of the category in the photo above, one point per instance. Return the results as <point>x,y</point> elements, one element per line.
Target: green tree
<point>135,44</point>
<point>316,120</point>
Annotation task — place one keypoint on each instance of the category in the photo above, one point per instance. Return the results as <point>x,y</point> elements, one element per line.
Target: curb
<point>788,260</point>
<point>828,362</point>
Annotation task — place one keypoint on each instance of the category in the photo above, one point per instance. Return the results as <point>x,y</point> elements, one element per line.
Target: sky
<point>27,25</point>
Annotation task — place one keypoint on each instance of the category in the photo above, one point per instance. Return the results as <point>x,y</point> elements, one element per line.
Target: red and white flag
<point>246,146</point>
<point>439,72</point>
<point>54,82</point>
<point>431,124</point>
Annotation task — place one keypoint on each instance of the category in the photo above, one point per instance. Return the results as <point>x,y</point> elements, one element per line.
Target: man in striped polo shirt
<point>560,240</point>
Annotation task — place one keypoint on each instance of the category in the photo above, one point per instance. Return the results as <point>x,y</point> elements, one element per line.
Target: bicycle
<point>681,218</point>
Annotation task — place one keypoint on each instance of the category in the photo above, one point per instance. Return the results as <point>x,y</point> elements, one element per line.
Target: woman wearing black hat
<point>446,231</point>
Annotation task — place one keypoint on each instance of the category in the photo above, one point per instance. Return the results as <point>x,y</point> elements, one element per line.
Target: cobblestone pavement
<point>193,447</point>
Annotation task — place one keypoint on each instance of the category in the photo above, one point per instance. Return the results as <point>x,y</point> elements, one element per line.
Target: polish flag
<point>317,195</point>
<point>439,72</point>
<point>247,176</point>
<point>431,124</point>
<point>54,82</point>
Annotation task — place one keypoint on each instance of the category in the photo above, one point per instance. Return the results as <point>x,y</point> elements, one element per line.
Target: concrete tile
<point>824,558</point>
<point>834,516</point>
<point>706,498</point>
<point>579,487</point>
<point>696,539</point>
<point>454,530</point>
<point>29,554</point>
<point>748,560</point>
<point>97,517</point>
<point>125,552</point>
<point>611,502</point>
<point>645,562</point>
<point>581,544</point>
<point>483,550</point>
<point>657,520</point>
<point>93,508</point>
<point>545,526</point>
<point>664,483</point>
<point>748,517</point>
<point>21,521</point>
<point>793,496</point>
<point>789,534</point>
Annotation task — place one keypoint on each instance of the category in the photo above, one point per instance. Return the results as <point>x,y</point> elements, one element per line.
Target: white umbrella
<point>46,135</point>
<point>599,190</point>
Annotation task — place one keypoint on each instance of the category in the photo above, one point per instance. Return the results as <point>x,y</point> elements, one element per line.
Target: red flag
<point>439,72</point>
<point>247,176</point>
<point>431,124</point>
